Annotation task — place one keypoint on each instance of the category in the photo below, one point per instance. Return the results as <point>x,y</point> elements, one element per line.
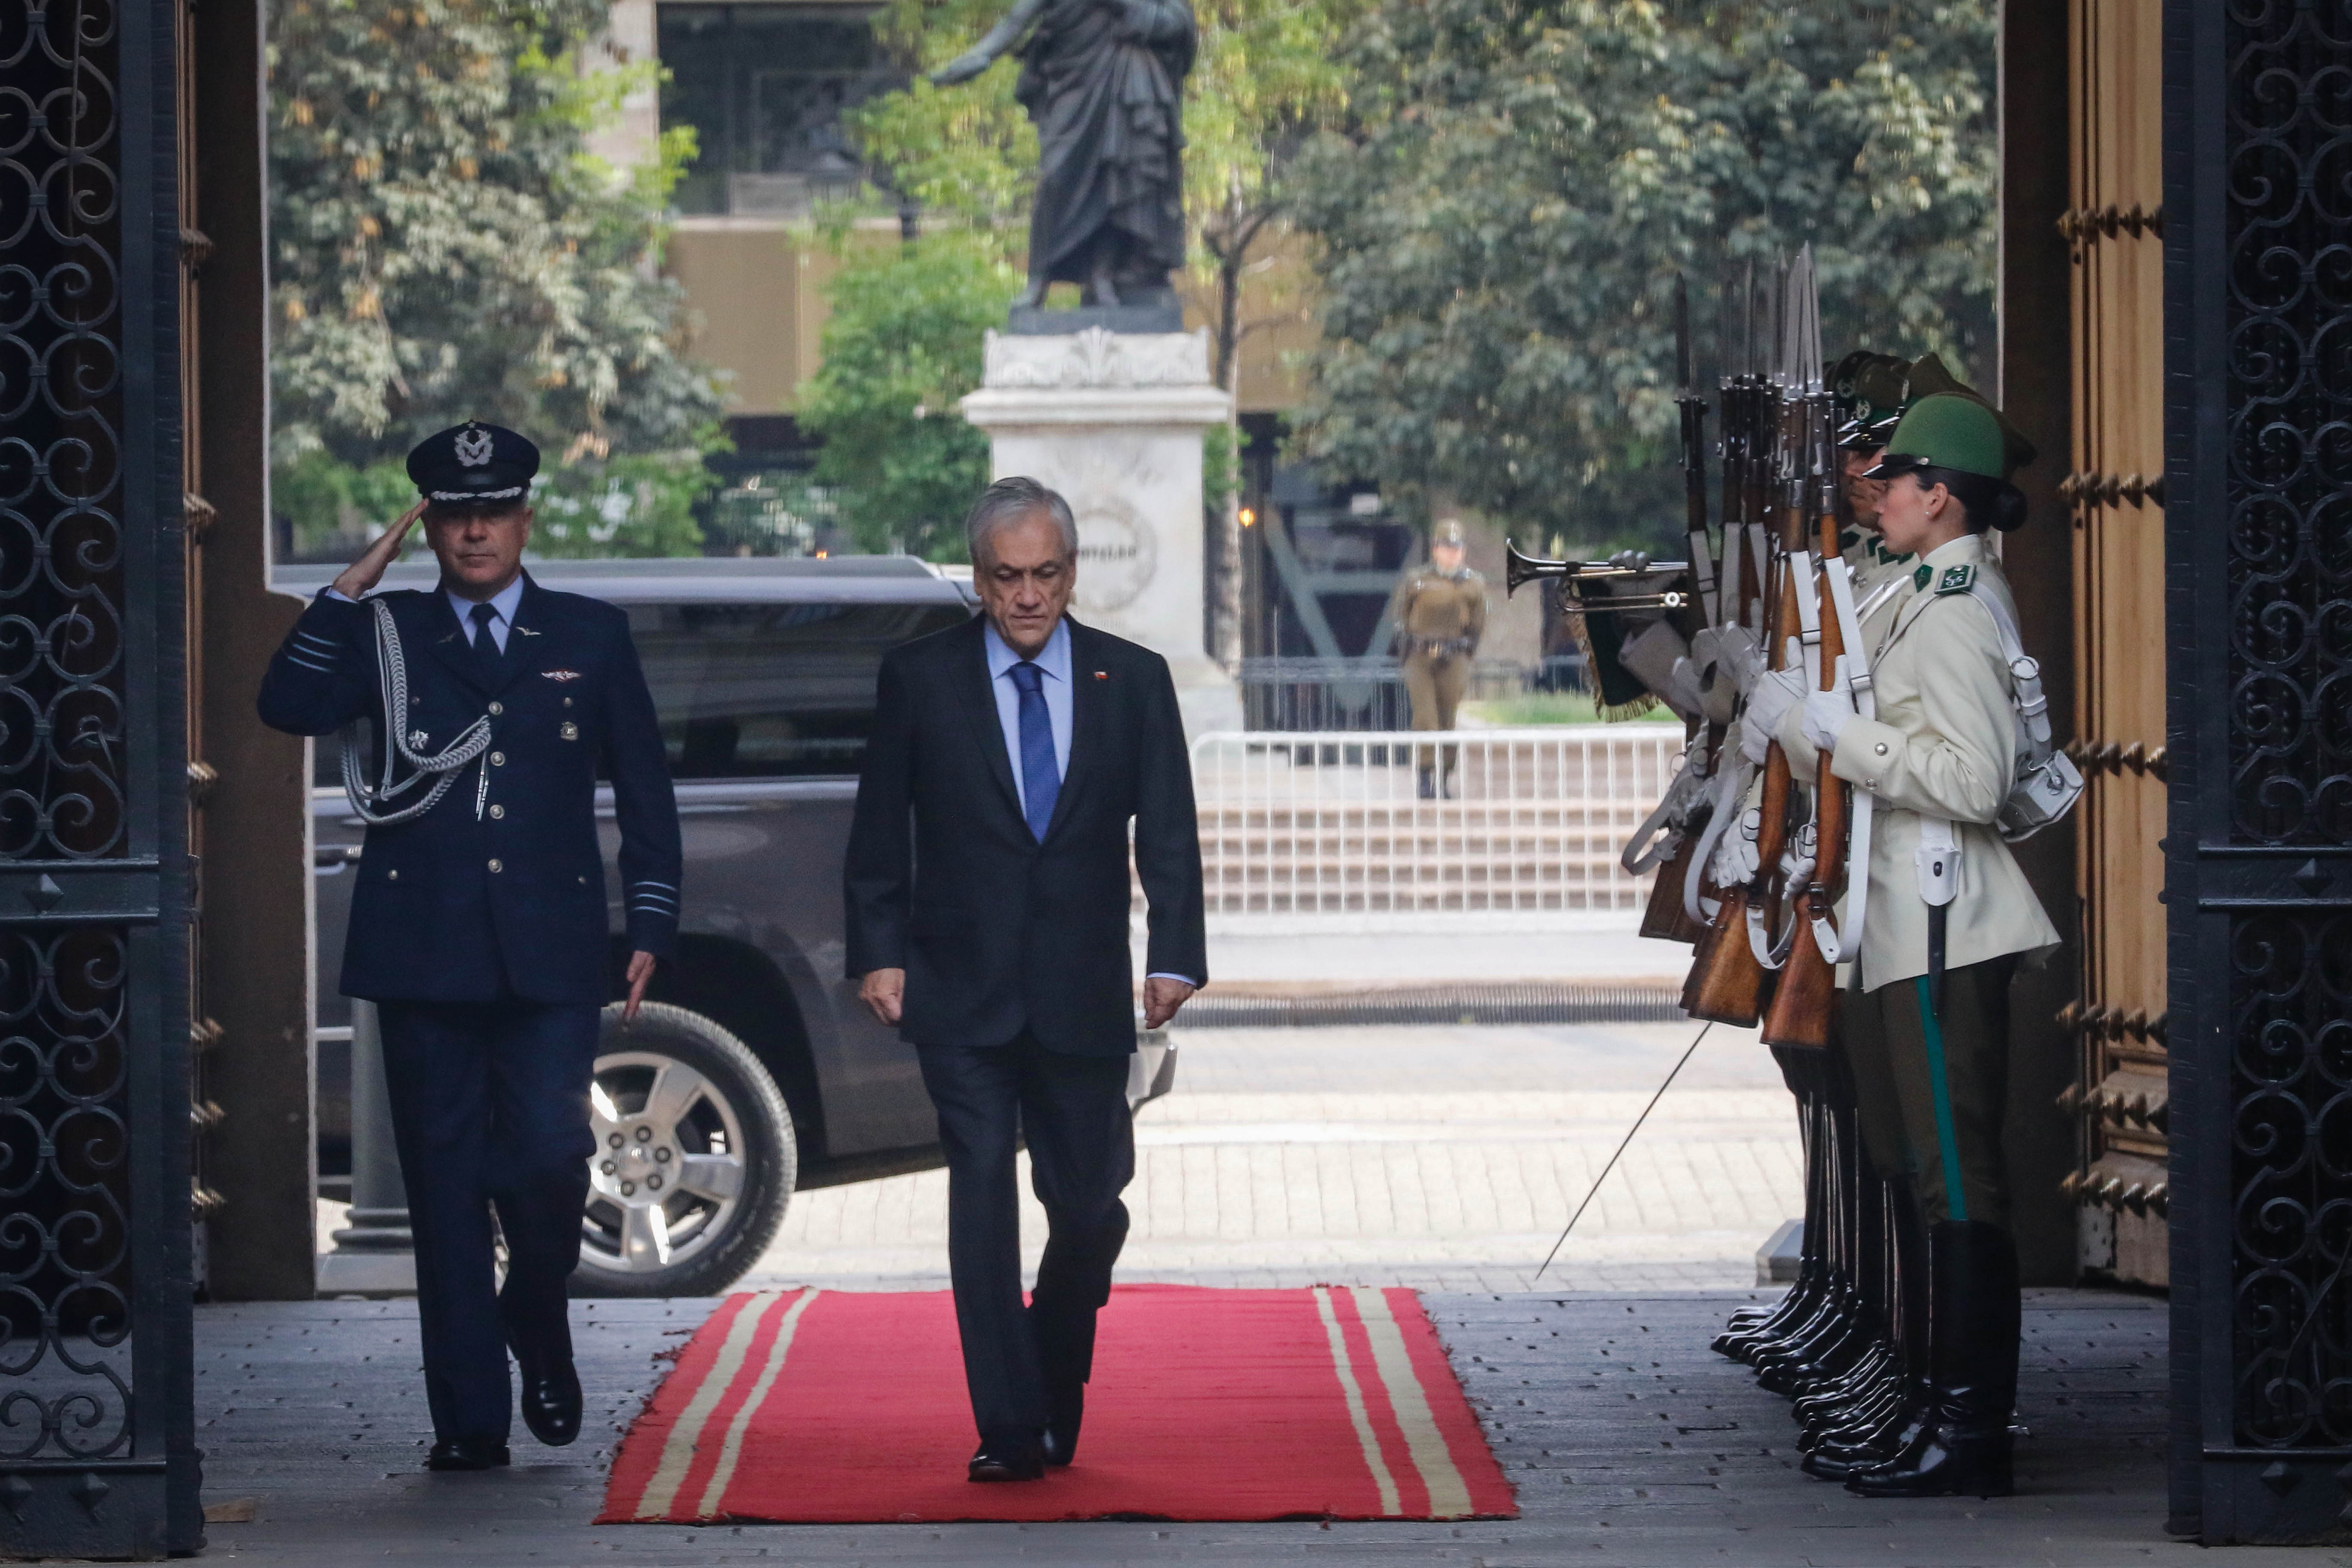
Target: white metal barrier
<point>1335,822</point>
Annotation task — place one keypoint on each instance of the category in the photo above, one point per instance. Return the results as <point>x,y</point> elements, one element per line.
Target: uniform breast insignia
<point>570,730</point>
<point>1956,579</point>
<point>1102,675</point>
<point>560,674</point>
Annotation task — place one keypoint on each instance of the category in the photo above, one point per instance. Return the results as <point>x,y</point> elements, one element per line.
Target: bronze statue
<point>1104,82</point>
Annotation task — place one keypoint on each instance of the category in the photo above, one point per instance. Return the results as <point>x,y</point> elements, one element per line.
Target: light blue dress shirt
<point>505,600</point>
<point>1054,661</point>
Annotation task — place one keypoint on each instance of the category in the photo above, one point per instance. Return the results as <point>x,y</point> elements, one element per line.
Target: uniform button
<point>567,702</point>
<point>497,864</point>
<point>498,759</point>
<point>569,732</point>
<point>1881,748</point>
<point>498,811</point>
<point>392,875</point>
<point>497,709</point>
<point>584,881</point>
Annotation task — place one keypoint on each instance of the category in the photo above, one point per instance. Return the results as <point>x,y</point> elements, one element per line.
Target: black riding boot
<point>1963,1447</point>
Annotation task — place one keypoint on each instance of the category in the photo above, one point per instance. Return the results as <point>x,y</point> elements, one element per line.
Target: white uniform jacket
<point>1945,744</point>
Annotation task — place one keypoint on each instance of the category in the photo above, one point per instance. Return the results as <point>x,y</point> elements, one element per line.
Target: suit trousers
<point>489,1106</point>
<point>1932,1099</point>
<point>1073,1111</point>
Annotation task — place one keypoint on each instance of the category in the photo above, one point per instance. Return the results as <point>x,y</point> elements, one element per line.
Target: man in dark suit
<point>987,889</point>
<point>477,923</point>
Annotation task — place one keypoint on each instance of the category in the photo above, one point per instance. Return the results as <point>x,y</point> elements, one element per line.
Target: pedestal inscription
<point>1114,422</point>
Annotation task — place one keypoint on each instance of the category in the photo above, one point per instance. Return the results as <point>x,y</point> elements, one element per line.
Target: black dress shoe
<point>1060,1440</point>
<point>551,1404</point>
<point>1020,1459</point>
<point>466,1454</point>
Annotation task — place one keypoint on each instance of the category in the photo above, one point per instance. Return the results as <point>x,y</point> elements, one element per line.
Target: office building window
<point>765,86</point>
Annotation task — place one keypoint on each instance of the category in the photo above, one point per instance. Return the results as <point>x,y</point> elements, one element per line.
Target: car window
<point>771,690</point>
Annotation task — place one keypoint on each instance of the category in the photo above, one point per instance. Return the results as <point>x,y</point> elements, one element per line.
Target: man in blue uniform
<point>477,923</point>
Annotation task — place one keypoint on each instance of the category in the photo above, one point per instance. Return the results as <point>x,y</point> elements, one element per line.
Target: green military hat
<point>1945,431</point>
<point>1447,531</point>
<point>1930,379</point>
<point>1870,389</point>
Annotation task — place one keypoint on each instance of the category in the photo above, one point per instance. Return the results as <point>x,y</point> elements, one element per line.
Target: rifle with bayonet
<point>1669,839</point>
<point>1806,993</point>
<point>1731,971</point>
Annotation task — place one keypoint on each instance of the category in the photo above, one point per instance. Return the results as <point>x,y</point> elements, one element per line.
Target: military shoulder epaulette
<point>1956,579</point>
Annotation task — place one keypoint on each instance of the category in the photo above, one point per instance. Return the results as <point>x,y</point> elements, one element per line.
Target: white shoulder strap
<point>2033,707</point>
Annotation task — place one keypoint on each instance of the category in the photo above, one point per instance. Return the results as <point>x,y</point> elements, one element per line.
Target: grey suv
<point>754,1070</point>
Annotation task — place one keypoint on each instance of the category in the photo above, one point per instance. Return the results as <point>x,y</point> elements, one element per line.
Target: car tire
<point>689,1128</point>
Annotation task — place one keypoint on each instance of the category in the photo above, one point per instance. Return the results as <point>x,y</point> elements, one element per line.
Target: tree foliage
<point>902,345</point>
<point>1500,224</point>
<point>443,246</point>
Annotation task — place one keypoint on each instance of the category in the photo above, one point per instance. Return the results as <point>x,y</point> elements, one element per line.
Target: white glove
<point>1775,692</point>
<point>1828,712</point>
<point>1735,853</point>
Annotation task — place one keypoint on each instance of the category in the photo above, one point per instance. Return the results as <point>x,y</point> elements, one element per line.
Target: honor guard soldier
<point>479,923</point>
<point>1959,738</point>
<point>1439,611</point>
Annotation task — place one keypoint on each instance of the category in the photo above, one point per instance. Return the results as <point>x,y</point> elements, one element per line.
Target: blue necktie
<point>1041,776</point>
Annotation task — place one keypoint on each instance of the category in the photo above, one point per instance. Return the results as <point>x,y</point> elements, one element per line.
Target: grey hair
<point>1008,502</point>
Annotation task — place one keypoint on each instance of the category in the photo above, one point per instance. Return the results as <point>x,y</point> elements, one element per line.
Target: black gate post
<point>2258,852</point>
<point>96,1447</point>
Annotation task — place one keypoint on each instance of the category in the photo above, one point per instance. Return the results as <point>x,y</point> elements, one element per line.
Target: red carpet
<point>847,1407</point>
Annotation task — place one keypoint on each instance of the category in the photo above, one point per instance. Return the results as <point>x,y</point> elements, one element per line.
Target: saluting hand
<point>368,570</point>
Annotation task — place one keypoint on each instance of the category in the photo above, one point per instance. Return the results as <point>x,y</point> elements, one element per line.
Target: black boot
<point>1963,1446</point>
<point>1428,783</point>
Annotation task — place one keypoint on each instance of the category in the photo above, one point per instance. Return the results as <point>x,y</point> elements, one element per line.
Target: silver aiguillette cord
<point>1621,1149</point>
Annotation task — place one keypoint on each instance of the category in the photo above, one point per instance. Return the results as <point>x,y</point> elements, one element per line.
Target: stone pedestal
<point>1114,421</point>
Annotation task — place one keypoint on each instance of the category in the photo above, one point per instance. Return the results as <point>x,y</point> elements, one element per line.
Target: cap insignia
<point>474,448</point>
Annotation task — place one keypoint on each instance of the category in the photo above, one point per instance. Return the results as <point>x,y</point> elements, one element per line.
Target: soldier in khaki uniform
<point>1440,612</point>
<point>1928,995</point>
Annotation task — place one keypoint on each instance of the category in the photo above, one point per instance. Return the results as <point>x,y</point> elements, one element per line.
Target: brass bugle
<point>1519,567</point>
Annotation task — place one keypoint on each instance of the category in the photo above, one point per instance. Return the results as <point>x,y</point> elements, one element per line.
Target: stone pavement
<point>1441,1158</point>
<point>1628,1442</point>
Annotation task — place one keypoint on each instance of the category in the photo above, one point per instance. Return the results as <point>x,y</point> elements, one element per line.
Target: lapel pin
<point>1102,675</point>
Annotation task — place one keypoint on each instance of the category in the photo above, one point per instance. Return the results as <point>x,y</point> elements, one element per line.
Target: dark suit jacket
<point>996,930</point>
<point>431,920</point>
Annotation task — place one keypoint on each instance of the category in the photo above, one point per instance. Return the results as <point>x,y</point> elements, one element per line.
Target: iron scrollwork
<point>66,1247</point>
<point>2288,217</point>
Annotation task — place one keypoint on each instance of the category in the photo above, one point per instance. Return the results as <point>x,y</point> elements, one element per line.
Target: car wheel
<point>695,1159</point>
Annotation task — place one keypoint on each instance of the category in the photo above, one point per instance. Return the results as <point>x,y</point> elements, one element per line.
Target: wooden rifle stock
<point>1806,999</point>
<point>1728,982</point>
<point>1665,917</point>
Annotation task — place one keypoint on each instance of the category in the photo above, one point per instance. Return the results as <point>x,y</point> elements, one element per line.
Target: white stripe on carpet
<point>733,1449</point>
<point>1365,1437</point>
<point>1449,1495</point>
<point>677,1449</point>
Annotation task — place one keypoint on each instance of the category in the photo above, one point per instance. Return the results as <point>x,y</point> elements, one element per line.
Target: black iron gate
<point>97,1456</point>
<point>2258,177</point>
